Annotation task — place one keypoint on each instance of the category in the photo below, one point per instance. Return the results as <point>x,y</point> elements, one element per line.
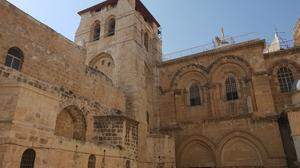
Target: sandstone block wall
<point>135,67</point>
<point>288,58</point>
<point>203,129</point>
<point>33,126</point>
<point>58,76</point>
<point>52,58</point>
<point>53,76</point>
<point>115,98</point>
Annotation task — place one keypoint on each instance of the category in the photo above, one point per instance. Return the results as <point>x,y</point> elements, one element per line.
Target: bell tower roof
<point>99,6</point>
<point>139,6</point>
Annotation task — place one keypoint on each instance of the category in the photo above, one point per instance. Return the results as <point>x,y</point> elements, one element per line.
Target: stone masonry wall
<point>52,58</point>
<point>117,131</point>
<point>289,58</point>
<point>34,128</point>
<point>135,68</point>
<point>53,76</point>
<point>218,130</point>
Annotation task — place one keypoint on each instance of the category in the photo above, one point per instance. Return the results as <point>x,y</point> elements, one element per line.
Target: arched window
<point>286,79</point>
<point>231,89</point>
<point>96,31</point>
<point>92,161</point>
<point>195,99</point>
<point>111,27</point>
<point>146,40</point>
<point>14,58</point>
<point>28,158</point>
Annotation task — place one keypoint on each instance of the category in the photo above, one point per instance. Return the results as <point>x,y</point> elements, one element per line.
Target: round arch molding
<point>104,63</point>
<point>197,151</point>
<point>196,68</point>
<point>71,123</point>
<point>239,149</point>
<point>283,62</point>
<point>293,66</point>
<point>230,60</point>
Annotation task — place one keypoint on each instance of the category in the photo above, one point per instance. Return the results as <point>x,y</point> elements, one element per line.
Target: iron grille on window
<point>92,161</point>
<point>28,158</point>
<point>286,79</point>
<point>14,58</point>
<point>195,99</point>
<point>231,89</point>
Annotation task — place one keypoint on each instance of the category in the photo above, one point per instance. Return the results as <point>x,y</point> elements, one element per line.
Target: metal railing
<point>284,44</point>
<point>210,46</point>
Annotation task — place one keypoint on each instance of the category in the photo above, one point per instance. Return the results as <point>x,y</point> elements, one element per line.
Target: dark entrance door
<point>287,140</point>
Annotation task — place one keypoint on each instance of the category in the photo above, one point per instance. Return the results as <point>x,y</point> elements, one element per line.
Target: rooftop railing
<point>283,45</point>
<point>229,41</point>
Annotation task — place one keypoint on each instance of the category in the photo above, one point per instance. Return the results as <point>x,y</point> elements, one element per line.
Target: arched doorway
<point>240,152</point>
<point>28,159</point>
<point>92,161</point>
<point>70,123</point>
<point>197,154</point>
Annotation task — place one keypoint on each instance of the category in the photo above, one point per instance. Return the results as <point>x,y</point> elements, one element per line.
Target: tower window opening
<point>111,27</point>
<point>96,31</point>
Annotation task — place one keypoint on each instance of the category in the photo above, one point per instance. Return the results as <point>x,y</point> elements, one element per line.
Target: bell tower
<point>122,39</point>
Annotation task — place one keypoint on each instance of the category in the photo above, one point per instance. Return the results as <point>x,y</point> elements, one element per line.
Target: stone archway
<point>70,123</point>
<point>240,149</point>
<point>103,63</point>
<point>197,154</point>
<point>239,152</point>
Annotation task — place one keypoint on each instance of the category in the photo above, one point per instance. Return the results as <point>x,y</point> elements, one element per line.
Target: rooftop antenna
<point>222,32</point>
<point>220,41</point>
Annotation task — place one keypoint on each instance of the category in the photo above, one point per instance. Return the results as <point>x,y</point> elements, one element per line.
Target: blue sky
<point>185,23</point>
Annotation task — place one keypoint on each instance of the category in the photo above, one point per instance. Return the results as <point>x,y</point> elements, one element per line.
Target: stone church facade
<point>108,99</point>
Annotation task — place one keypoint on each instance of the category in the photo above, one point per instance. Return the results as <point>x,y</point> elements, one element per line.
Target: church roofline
<point>100,5</point>
<point>42,25</point>
<point>215,51</point>
<point>139,6</point>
